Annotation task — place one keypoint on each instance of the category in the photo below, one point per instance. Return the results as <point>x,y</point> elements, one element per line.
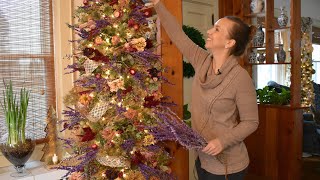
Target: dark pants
<point>204,175</point>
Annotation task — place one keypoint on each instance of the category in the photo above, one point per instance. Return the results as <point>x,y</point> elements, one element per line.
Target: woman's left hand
<point>213,148</point>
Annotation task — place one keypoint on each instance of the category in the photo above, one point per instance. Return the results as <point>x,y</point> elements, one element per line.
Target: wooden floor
<point>311,168</point>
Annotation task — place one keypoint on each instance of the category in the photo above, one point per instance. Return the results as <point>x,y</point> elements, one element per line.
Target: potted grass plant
<point>18,148</point>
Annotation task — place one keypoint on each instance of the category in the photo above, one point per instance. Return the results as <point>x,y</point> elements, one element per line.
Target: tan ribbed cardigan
<point>217,101</point>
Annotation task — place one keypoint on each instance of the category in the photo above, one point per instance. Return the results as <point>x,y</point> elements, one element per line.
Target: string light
<point>307,95</point>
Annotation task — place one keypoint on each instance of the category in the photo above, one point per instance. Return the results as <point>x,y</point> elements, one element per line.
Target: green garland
<point>197,37</point>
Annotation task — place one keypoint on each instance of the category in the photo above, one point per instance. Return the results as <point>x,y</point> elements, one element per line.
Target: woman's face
<point>218,35</point>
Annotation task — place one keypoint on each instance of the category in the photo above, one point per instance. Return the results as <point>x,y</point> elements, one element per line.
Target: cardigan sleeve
<point>246,102</point>
<point>192,52</point>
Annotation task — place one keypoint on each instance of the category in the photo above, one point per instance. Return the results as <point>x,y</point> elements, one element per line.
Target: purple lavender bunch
<point>161,132</point>
<point>176,130</point>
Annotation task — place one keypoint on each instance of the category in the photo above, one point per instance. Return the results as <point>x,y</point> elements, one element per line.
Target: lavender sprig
<point>74,117</point>
<point>74,67</point>
<point>148,172</point>
<point>98,83</point>
<point>138,15</point>
<point>102,23</point>
<point>145,56</point>
<point>128,145</point>
<point>67,142</point>
<point>86,158</point>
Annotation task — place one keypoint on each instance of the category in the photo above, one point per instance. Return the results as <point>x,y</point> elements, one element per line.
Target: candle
<point>55,159</point>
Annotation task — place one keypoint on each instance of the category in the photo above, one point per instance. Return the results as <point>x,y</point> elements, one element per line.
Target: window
<point>316,62</point>
<point>277,73</point>
<point>26,58</point>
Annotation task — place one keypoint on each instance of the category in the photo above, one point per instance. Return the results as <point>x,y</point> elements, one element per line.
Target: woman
<point>222,91</point>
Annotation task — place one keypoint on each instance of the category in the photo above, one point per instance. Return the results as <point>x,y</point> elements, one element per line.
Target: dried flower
<point>149,140</point>
<point>85,99</point>
<point>98,40</point>
<point>134,175</point>
<point>108,134</point>
<point>88,135</point>
<point>139,43</point>
<point>115,40</point>
<point>76,176</point>
<point>130,114</point>
<point>115,85</point>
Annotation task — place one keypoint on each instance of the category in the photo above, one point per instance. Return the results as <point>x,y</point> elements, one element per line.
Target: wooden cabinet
<point>275,149</point>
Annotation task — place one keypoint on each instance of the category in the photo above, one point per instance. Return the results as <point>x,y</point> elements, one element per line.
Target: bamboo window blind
<point>26,58</point>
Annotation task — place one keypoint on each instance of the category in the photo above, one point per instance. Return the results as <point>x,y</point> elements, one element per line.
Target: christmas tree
<point>116,115</point>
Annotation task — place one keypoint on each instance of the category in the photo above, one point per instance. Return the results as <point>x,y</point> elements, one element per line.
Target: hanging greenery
<point>197,37</point>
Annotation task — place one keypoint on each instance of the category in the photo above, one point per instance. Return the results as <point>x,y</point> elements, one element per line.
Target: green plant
<point>268,95</point>
<point>15,114</point>
<point>186,115</point>
<point>197,37</point>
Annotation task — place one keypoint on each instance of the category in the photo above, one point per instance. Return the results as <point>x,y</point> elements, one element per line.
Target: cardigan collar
<point>208,79</point>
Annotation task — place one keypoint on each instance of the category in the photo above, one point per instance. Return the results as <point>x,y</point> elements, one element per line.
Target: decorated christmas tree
<point>117,117</point>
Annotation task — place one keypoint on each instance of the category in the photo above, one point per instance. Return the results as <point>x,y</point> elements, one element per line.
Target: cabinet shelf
<point>281,106</point>
<point>267,63</point>
<point>276,46</point>
<point>263,14</point>
<point>278,28</point>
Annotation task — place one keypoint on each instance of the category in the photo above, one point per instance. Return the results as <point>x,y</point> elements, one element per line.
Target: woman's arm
<point>190,50</point>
